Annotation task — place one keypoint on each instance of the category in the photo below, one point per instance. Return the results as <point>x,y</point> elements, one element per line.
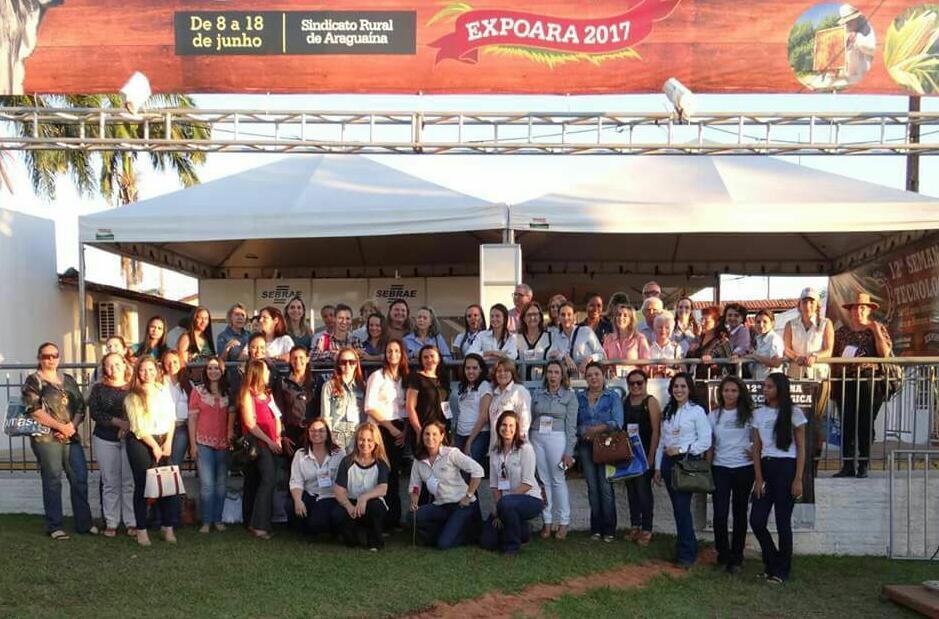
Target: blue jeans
<point>514,511</point>
<point>213,475</point>
<point>599,492</point>
<point>778,474</point>
<point>180,445</point>
<point>681,508</point>
<point>479,450</point>
<point>54,458</point>
<point>447,526</point>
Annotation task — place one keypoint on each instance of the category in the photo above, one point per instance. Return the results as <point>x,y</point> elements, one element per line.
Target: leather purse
<point>692,475</point>
<point>163,481</point>
<point>612,448</point>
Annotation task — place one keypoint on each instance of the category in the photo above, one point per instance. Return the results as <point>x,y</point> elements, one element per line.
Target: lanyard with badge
<point>433,484</point>
<point>504,484</point>
<point>323,478</point>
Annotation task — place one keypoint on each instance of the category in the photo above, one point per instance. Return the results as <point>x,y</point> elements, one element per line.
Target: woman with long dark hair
<point>297,323</point>
<point>471,401</point>
<point>154,342</point>
<point>474,323</point>
<point>260,421</point>
<point>376,337</point>
<point>427,397</point>
<point>778,462</point>
<point>685,433</point>
<point>211,430</point>
<point>313,478</point>
<point>732,467</point>
<point>274,328</point>
<point>197,343</point>
<point>642,415</point>
<point>385,406</point>
<point>533,340</point>
<point>497,341</point>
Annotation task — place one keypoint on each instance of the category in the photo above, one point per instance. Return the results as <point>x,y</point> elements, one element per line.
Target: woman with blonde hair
<point>260,421</point>
<point>361,485</point>
<point>152,417</point>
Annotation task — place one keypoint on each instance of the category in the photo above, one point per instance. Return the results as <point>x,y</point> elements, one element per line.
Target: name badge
<point>323,480</point>
<point>445,407</point>
<point>530,354</point>
<point>632,429</point>
<point>433,484</point>
<point>545,424</point>
<point>504,484</point>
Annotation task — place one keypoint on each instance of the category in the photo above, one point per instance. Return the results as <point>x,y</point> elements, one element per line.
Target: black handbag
<point>692,475</point>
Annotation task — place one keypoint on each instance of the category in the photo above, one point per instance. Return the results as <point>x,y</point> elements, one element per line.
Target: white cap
<point>810,293</point>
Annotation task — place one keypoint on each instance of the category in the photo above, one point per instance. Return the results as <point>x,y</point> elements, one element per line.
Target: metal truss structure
<point>414,132</point>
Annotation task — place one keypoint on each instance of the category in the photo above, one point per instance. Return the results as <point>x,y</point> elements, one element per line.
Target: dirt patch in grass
<point>529,601</point>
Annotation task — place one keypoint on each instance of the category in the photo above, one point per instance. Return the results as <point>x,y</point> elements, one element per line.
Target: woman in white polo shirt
<point>313,476</point>
<point>497,341</point>
<point>515,489</point>
<point>778,462</point>
<point>508,394</point>
<point>732,467</point>
<point>384,405</point>
<point>453,518</point>
<point>685,433</point>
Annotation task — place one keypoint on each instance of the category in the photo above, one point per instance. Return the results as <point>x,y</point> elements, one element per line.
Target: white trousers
<point>117,497</point>
<point>549,449</point>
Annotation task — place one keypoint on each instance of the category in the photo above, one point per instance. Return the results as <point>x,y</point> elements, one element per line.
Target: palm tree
<point>110,174</point>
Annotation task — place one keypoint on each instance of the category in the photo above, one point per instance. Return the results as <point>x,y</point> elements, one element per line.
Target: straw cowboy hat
<point>862,298</point>
<point>846,13</point>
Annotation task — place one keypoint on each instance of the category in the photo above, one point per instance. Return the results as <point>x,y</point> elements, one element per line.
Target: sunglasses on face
<point>636,383</point>
<point>48,356</point>
<point>346,362</point>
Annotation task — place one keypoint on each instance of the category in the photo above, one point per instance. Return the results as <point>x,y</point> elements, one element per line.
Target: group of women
<point>346,443</point>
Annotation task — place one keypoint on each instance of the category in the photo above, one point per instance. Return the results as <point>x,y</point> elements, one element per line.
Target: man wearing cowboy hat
<point>859,43</point>
<point>859,389</point>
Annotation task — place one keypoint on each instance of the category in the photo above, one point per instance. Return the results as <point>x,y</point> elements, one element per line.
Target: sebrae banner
<point>471,46</point>
<point>906,286</point>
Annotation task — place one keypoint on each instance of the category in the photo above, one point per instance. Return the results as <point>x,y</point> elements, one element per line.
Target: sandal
<point>645,538</point>
<point>632,535</point>
<point>546,531</point>
<point>774,580</point>
<point>110,532</point>
<point>131,531</point>
<point>59,535</point>
<point>562,532</point>
<point>258,533</point>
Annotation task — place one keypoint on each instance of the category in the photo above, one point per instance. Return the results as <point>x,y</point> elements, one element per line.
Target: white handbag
<point>163,481</point>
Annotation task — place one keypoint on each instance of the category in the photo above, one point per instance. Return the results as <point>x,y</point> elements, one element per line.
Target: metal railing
<point>912,505</point>
<point>908,419</point>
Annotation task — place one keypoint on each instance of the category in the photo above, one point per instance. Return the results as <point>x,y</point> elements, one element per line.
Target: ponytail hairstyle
<point>782,431</point>
<point>744,400</point>
<point>672,406</point>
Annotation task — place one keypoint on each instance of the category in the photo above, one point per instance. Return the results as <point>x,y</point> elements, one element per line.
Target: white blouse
<point>688,429</point>
<point>487,342</point>
<point>386,396</point>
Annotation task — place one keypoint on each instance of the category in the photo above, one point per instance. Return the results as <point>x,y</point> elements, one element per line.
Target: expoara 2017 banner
<point>906,286</point>
<point>471,46</point>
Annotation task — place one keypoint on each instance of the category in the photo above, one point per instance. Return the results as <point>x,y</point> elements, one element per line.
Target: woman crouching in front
<point>515,489</point>
<point>361,485</point>
<point>453,518</point>
<point>313,478</point>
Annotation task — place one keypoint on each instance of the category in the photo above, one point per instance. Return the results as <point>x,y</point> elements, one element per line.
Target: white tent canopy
<point>350,216</point>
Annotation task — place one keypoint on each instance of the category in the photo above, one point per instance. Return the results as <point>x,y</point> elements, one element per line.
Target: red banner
<point>469,46</point>
<point>477,29</point>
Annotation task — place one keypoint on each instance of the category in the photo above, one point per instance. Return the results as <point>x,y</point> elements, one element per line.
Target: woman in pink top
<point>211,428</point>
<point>260,420</point>
<point>625,342</point>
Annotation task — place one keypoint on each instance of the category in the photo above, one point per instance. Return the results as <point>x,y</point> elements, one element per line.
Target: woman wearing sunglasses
<point>642,415</point>
<point>341,401</point>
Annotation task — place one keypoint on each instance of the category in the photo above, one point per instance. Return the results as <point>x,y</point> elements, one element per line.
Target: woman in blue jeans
<point>467,403</point>
<point>54,400</point>
<point>686,433</point>
<point>515,489</point>
<point>600,410</point>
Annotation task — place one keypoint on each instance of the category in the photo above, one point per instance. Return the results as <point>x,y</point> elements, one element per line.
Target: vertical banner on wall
<point>500,271</point>
<point>906,285</point>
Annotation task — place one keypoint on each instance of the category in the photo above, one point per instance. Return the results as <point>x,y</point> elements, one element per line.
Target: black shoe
<point>846,471</point>
<point>861,471</point>
<point>733,570</point>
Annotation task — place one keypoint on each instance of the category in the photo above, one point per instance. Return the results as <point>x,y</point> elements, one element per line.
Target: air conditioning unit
<point>116,318</point>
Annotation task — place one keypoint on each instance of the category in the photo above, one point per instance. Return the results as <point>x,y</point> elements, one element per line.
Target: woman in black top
<point>106,406</point>
<point>294,397</point>
<point>427,397</point>
<point>641,414</point>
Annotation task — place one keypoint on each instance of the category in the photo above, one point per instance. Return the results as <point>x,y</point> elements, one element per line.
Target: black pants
<point>260,478</point>
<point>732,486</point>
<point>365,530</point>
<point>319,514</point>
<point>395,463</point>
<point>859,401</point>
<point>778,474</point>
<point>141,459</point>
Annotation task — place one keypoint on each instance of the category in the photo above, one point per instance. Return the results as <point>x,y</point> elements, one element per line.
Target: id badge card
<point>445,407</point>
<point>545,424</point>
<point>323,480</point>
<point>531,354</point>
<point>433,484</point>
<point>849,351</point>
<point>504,484</point>
<point>632,429</point>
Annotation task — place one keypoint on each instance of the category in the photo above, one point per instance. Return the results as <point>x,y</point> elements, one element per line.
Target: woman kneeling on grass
<point>313,478</point>
<point>453,518</point>
<point>515,489</point>
<point>778,462</point>
<point>361,485</point>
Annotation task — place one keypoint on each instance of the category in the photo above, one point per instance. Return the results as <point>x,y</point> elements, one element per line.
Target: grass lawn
<point>230,574</point>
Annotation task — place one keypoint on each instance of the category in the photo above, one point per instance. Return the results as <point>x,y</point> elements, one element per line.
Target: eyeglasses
<point>636,383</point>
<point>346,362</point>
<point>48,356</point>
